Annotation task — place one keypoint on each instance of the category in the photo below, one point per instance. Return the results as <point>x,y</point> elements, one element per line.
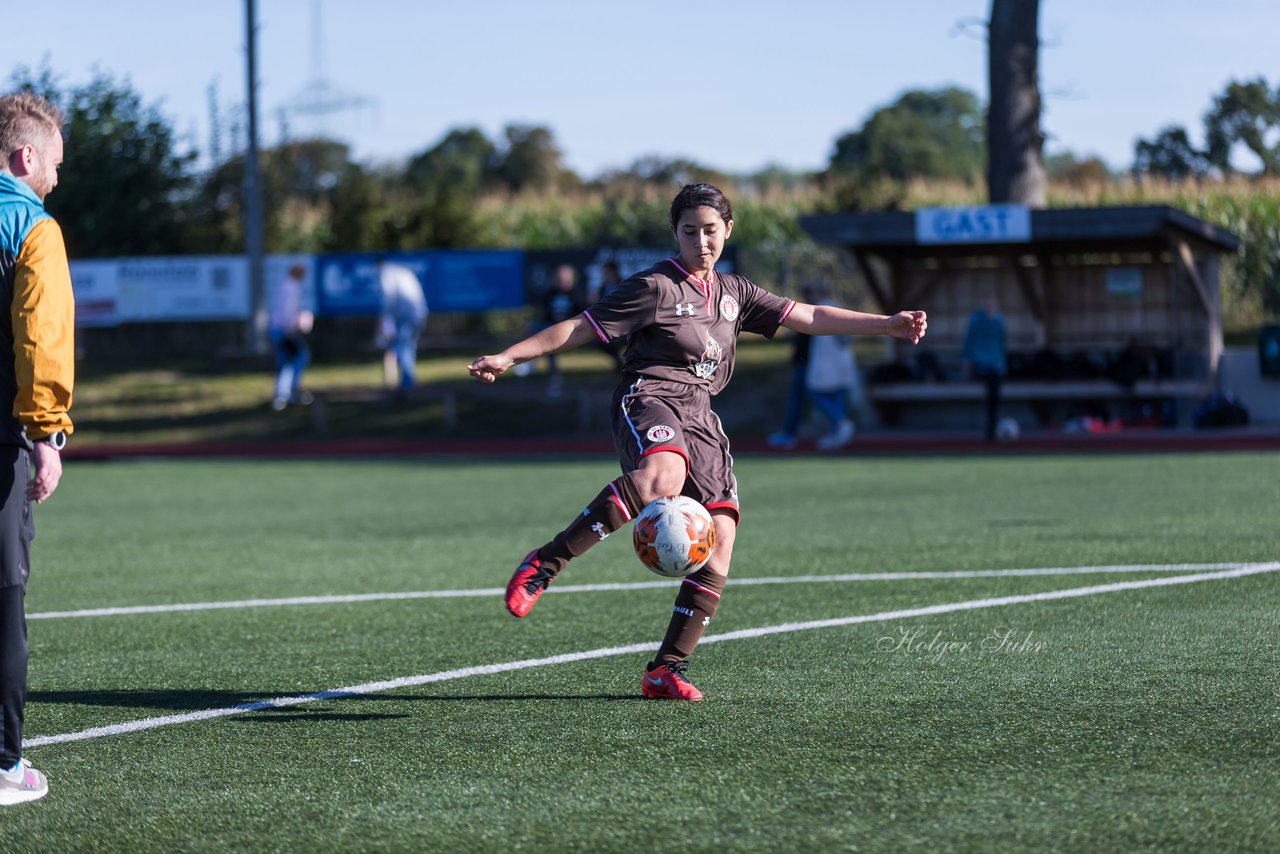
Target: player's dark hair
<point>699,196</point>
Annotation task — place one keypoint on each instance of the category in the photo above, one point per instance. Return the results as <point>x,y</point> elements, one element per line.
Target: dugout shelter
<point>1110,311</point>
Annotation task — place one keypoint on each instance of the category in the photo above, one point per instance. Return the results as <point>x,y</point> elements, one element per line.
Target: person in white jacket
<point>830,377</point>
<point>404,314</point>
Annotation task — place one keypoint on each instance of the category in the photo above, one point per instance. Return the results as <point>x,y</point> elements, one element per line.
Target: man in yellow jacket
<point>37,362</point>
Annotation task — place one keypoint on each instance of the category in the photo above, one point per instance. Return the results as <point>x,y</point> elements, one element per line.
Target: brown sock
<point>616,505</point>
<point>695,606</point>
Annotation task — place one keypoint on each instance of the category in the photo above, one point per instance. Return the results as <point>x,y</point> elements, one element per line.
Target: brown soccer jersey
<point>683,334</point>
<point>683,329</point>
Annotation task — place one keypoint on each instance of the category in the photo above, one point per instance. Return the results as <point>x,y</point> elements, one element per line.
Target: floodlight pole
<point>254,240</point>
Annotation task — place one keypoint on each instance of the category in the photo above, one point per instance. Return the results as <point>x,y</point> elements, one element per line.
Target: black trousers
<point>992,379</point>
<point>17,529</point>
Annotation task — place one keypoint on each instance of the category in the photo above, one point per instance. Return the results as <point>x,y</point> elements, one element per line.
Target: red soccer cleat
<point>524,588</point>
<point>666,681</point>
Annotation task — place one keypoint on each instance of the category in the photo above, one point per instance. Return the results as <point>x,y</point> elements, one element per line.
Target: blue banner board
<point>453,280</point>
<point>473,280</point>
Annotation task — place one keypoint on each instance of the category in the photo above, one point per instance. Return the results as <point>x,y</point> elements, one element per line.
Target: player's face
<point>45,160</point>
<point>701,234</point>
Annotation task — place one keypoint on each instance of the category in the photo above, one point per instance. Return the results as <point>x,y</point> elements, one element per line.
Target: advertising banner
<point>141,290</point>
<point>94,286</point>
<point>475,280</point>
<point>208,288</point>
<point>186,288</point>
<point>453,280</point>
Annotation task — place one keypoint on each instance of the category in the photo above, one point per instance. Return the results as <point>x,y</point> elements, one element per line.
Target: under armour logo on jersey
<point>683,308</point>
<point>598,527</point>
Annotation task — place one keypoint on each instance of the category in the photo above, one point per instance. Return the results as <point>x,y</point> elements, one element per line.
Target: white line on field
<point>635,585</point>
<point>635,649</point>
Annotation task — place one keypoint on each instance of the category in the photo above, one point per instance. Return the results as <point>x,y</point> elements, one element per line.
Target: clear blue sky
<point>734,85</point>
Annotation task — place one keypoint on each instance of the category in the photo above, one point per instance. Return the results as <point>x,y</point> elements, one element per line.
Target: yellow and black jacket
<point>38,373</point>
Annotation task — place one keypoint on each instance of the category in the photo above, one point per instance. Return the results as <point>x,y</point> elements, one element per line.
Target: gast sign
<point>989,224</point>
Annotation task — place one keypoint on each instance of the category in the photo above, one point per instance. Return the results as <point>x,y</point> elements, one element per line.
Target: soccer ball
<point>1007,429</point>
<point>674,536</point>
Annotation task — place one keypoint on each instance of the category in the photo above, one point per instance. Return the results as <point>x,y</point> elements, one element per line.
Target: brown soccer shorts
<point>651,416</point>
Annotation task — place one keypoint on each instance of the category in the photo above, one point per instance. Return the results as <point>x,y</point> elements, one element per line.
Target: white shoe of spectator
<point>838,437</point>
<point>781,441</point>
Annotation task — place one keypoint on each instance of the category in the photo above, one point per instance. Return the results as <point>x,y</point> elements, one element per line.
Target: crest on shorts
<point>660,433</point>
<point>728,308</point>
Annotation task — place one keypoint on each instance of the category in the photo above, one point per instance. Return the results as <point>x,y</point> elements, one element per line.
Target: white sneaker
<point>782,441</point>
<point>21,784</point>
<point>838,437</point>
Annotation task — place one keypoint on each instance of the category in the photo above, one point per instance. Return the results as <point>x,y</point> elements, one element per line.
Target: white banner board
<point>195,288</point>
<point>94,286</point>
<point>191,288</point>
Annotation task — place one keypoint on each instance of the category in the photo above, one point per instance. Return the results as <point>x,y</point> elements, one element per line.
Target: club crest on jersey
<point>660,433</point>
<point>729,308</point>
<point>711,356</point>
<point>684,309</point>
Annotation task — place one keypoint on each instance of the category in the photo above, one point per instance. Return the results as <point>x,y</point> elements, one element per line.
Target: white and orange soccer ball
<point>674,536</point>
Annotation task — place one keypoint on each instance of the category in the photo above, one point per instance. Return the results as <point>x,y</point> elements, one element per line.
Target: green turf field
<point>1115,719</point>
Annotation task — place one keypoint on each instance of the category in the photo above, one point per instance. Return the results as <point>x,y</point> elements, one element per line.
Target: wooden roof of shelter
<point>1052,230</point>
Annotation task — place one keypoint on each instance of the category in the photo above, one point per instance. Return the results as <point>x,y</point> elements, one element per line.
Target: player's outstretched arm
<point>833,320</point>
<point>564,335</point>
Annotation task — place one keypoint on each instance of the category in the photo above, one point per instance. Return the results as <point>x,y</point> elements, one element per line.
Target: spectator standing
<point>610,278</point>
<point>831,376</point>
<point>985,351</point>
<point>38,375</point>
<point>822,371</point>
<point>797,393</point>
<point>288,328</point>
<point>404,314</point>
<point>560,303</point>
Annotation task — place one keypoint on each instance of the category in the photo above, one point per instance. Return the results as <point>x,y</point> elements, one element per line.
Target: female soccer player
<point>683,320</point>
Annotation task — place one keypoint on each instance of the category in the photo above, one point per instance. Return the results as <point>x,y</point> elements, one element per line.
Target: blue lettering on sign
<point>990,224</point>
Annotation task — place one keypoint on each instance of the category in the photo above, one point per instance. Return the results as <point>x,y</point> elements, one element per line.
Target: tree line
<point>131,187</point>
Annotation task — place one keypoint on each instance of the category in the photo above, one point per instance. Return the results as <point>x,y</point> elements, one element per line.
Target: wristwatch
<point>57,440</point>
